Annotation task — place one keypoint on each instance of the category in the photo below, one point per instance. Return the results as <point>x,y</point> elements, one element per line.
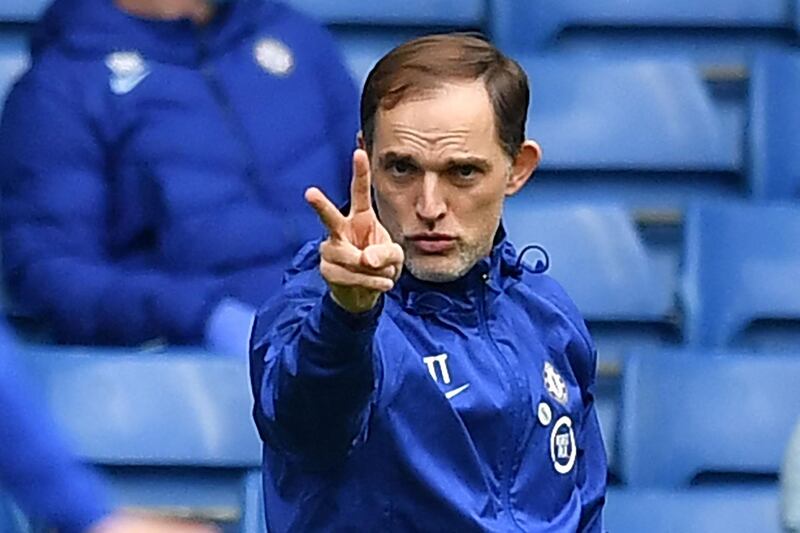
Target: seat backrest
<point>13,61</point>
<point>627,115</point>
<point>597,255</point>
<point>174,409</point>
<point>22,10</point>
<point>740,271</point>
<point>368,30</point>
<point>521,24</point>
<point>432,13</point>
<point>741,509</point>
<point>774,125</point>
<point>690,413</point>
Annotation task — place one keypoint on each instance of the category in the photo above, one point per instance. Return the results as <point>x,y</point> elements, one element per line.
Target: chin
<point>436,273</point>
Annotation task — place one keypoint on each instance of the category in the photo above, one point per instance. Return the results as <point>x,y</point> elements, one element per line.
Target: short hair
<point>425,63</point>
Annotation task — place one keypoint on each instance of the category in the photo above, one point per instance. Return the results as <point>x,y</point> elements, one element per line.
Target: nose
<point>431,205</point>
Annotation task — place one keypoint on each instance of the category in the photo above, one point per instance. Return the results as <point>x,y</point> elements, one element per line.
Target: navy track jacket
<point>152,168</point>
<point>463,406</point>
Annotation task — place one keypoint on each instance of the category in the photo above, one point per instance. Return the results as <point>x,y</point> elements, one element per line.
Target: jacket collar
<point>493,272</point>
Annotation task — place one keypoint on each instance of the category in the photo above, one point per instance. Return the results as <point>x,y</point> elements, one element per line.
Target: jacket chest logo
<point>128,70</point>
<point>554,384</point>
<point>563,450</point>
<point>437,366</point>
<point>274,56</point>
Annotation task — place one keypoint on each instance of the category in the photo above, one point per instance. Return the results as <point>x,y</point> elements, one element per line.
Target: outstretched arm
<point>314,368</point>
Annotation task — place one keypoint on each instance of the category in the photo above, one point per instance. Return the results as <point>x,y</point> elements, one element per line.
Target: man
<point>414,374</point>
<point>147,145</point>
<point>38,470</point>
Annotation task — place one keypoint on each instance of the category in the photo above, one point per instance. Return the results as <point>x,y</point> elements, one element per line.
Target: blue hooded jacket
<point>463,406</point>
<point>151,169</point>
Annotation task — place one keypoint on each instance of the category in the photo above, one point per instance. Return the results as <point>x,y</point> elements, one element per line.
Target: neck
<point>200,12</point>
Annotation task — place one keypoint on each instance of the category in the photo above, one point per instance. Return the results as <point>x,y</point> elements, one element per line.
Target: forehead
<point>455,117</point>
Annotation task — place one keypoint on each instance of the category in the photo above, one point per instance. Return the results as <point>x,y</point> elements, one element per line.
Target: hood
<point>94,28</point>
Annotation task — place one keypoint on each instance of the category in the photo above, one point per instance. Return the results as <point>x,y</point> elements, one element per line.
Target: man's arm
<point>592,472</point>
<point>314,374</point>
<point>592,464</point>
<point>313,367</point>
<point>55,212</point>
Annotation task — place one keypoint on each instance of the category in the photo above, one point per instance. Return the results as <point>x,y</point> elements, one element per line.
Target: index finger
<point>327,212</point>
<point>360,187</point>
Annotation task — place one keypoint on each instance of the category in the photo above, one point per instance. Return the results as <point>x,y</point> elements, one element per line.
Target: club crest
<point>274,56</point>
<point>555,384</point>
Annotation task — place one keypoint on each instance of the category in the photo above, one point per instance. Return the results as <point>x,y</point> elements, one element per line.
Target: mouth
<point>432,243</point>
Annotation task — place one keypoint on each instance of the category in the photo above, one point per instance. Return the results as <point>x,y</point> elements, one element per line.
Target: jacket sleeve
<point>36,467</point>
<point>56,215</point>
<point>314,376</point>
<point>592,466</point>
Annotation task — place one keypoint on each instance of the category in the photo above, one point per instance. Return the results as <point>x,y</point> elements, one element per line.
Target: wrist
<point>355,301</point>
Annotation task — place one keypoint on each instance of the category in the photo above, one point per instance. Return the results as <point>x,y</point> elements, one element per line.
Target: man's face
<point>440,178</point>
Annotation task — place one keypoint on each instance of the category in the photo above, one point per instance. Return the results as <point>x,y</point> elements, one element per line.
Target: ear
<point>360,140</point>
<point>523,166</point>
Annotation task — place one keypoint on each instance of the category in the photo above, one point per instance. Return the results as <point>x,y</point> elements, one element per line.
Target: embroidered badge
<point>562,446</point>
<point>128,70</point>
<point>555,384</point>
<point>545,414</point>
<point>274,56</point>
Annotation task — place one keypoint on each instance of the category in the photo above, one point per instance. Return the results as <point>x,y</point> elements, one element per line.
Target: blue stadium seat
<point>601,260</point>
<point>741,264</point>
<point>13,61</point>
<point>444,13</point>
<point>740,509</point>
<point>690,413</point>
<point>367,30</point>
<point>649,115</point>
<point>597,255</point>
<point>22,10</point>
<point>173,430</point>
<point>774,135</point>
<point>522,25</point>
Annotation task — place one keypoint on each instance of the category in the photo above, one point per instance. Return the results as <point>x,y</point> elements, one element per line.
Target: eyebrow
<point>479,162</point>
<point>393,157</point>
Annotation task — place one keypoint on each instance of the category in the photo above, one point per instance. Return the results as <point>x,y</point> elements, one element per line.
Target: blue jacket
<point>36,467</point>
<point>464,406</point>
<point>150,169</point>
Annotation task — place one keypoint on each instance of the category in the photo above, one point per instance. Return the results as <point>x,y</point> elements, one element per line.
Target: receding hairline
<point>418,68</point>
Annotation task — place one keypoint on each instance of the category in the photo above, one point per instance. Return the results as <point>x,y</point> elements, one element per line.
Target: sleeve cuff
<point>344,322</point>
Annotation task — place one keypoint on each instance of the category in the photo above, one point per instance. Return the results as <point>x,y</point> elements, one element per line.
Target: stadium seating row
<point>649,133</point>
<point>173,431</point>
<point>729,289</point>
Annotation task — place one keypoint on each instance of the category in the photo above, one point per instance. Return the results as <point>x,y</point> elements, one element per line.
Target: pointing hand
<point>358,260</point>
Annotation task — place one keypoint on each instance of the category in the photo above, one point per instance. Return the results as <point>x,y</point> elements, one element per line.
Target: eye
<point>465,172</point>
<point>400,169</point>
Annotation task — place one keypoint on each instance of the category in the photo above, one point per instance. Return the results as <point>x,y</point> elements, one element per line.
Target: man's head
<point>443,121</point>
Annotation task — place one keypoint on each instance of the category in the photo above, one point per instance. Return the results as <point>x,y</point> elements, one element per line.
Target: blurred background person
<point>153,161</point>
<point>38,470</point>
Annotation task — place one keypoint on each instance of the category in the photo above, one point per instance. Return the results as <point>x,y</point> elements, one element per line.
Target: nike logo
<point>121,85</point>
<point>455,392</point>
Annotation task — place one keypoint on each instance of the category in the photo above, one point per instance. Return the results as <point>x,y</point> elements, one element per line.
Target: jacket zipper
<point>507,466</point>
<point>232,118</point>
